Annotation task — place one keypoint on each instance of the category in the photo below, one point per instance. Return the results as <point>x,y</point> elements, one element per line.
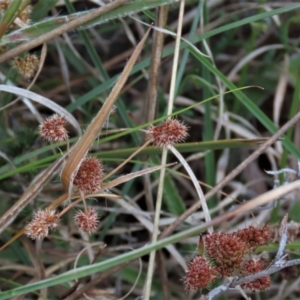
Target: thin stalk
<point>164,155</point>
<point>196,185</point>
<point>151,105</point>
<point>127,160</point>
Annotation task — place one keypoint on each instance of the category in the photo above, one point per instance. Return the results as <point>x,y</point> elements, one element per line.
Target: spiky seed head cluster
<point>42,220</point>
<point>26,66</point>
<point>229,253</point>
<point>87,220</point>
<point>199,274</point>
<point>227,250</point>
<point>251,267</point>
<point>89,176</point>
<point>170,132</point>
<point>255,237</point>
<point>53,129</point>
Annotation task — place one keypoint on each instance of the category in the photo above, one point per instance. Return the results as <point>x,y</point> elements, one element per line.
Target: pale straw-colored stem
<point>164,157</point>
<point>196,184</point>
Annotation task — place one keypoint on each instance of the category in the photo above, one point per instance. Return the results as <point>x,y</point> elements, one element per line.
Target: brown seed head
<point>87,221</point>
<point>170,132</point>
<point>26,66</point>
<point>255,237</point>
<point>89,175</point>
<point>42,220</point>
<point>36,230</point>
<point>48,217</point>
<point>53,129</point>
<point>251,267</point>
<point>227,250</point>
<point>199,274</point>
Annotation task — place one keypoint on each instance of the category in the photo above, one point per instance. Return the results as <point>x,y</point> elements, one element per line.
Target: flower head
<point>87,221</point>
<point>170,132</point>
<point>42,220</point>
<point>227,250</point>
<point>26,66</point>
<point>89,175</point>
<point>199,274</point>
<point>48,217</point>
<point>255,237</point>
<point>36,230</point>
<point>53,129</point>
<point>251,267</point>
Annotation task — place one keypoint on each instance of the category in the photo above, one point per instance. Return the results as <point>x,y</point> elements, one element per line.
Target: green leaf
<point>41,9</point>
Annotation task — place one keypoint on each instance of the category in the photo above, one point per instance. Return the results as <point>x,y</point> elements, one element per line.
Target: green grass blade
<point>247,103</point>
<point>41,9</point>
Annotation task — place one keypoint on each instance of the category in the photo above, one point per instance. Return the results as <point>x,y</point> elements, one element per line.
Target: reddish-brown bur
<point>255,237</point>
<point>170,132</point>
<point>251,267</point>
<point>227,251</point>
<point>199,274</point>
<point>87,220</point>
<point>42,220</point>
<point>36,230</point>
<point>53,129</point>
<point>89,176</point>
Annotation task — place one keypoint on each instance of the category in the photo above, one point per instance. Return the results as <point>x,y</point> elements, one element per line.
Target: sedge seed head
<point>227,250</point>
<point>26,66</point>
<point>53,129</point>
<point>255,266</point>
<point>89,175</point>
<point>170,132</point>
<point>199,274</point>
<point>48,217</point>
<point>255,237</point>
<point>36,230</point>
<point>42,220</point>
<point>87,221</point>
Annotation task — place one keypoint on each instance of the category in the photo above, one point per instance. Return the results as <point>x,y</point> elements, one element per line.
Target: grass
<point>233,99</point>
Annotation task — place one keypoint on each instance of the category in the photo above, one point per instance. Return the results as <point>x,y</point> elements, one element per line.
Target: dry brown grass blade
<point>58,31</point>
<point>94,129</point>
<point>30,193</point>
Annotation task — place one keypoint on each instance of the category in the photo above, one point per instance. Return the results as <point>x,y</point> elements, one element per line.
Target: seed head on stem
<point>170,132</point>
<point>42,220</point>
<point>199,274</point>
<point>89,175</point>
<point>53,129</point>
<point>88,220</point>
